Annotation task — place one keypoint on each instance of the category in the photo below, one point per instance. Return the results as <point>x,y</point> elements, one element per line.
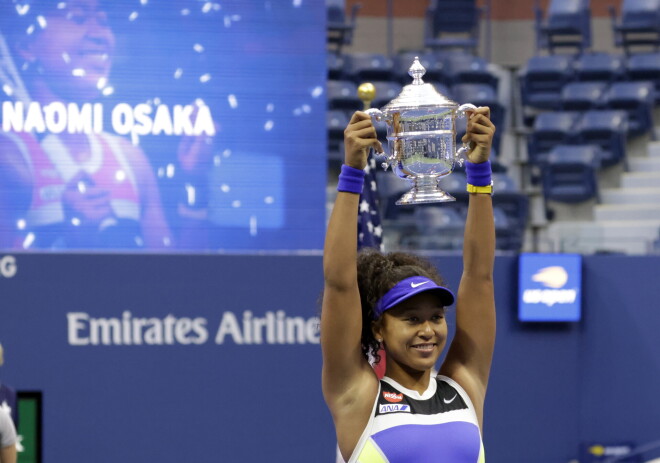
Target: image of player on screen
<point>69,190</point>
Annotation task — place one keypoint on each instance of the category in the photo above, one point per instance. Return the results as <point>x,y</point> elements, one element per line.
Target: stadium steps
<point>640,179</point>
<point>628,218</point>
<point>626,236</point>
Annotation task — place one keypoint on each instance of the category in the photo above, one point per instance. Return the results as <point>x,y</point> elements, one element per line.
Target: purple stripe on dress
<point>455,442</point>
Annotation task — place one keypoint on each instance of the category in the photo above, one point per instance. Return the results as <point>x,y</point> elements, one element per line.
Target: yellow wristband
<point>488,189</point>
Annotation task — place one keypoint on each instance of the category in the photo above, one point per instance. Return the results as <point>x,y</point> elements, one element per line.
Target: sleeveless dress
<point>439,425</point>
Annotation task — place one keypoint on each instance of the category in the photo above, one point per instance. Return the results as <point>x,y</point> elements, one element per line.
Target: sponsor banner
<point>180,358</point>
<point>550,287</point>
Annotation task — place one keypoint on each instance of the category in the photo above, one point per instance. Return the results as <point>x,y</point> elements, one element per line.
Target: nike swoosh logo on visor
<point>415,285</point>
<point>450,400</point>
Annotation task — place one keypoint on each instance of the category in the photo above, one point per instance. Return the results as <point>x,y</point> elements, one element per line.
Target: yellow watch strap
<point>488,189</point>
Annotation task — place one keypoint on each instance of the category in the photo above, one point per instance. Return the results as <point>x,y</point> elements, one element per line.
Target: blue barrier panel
<point>202,358</point>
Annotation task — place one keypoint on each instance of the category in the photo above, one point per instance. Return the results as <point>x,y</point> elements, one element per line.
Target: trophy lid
<point>418,94</point>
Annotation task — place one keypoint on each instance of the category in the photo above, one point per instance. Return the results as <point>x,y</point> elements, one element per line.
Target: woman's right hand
<point>359,136</point>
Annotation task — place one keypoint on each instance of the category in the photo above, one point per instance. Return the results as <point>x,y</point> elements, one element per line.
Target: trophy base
<point>425,190</point>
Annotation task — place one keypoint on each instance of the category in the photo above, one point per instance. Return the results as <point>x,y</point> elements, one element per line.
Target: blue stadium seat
<point>543,78</point>
<point>432,62</point>
<point>550,129</point>
<point>366,67</point>
<point>339,27</point>
<point>385,92</point>
<point>464,68</point>
<point>638,25</point>
<point>645,67</point>
<point>508,237</point>
<point>637,99</point>
<point>335,65</point>
<point>508,197</point>
<point>583,95</point>
<point>437,228</point>
<point>451,25</point>
<point>390,189</point>
<point>456,184</point>
<point>607,129</point>
<point>481,95</point>
<point>570,173</point>
<point>602,67</point>
<point>568,24</point>
<point>336,122</point>
<point>342,94</point>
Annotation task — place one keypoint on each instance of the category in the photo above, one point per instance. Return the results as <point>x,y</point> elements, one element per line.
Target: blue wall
<point>552,386</point>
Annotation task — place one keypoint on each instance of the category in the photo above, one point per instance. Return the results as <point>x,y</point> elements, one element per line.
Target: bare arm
<point>470,356</point>
<point>8,454</point>
<point>344,367</point>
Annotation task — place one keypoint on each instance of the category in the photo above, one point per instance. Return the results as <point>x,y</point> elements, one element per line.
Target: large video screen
<point>154,125</point>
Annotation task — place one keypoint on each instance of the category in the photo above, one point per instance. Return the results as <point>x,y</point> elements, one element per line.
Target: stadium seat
<point>637,99</point>
<point>481,95</point>
<point>543,78</point>
<point>367,67</point>
<point>336,121</point>
<point>335,65</point>
<point>464,68</point>
<point>340,28</point>
<point>385,92</point>
<point>451,25</point>
<point>508,237</point>
<point>645,67</point>
<point>602,67</point>
<point>390,189</point>
<point>437,228</point>
<point>550,129</point>
<point>582,95</point>
<point>508,197</point>
<point>638,25</point>
<point>342,94</point>
<point>442,89</point>
<point>607,129</point>
<point>568,24</point>
<point>432,62</point>
<point>570,173</point>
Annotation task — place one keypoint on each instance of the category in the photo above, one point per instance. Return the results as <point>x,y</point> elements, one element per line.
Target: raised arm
<point>469,358</point>
<point>344,366</point>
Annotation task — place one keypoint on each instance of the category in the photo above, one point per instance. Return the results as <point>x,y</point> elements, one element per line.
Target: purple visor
<point>408,288</point>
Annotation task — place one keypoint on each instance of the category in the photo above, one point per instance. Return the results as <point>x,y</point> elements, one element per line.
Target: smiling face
<point>414,334</point>
<point>72,49</point>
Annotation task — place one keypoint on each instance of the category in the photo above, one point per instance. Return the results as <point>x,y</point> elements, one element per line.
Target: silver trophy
<point>421,137</point>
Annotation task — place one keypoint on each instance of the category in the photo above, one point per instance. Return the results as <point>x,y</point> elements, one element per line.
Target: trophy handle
<point>378,116</point>
<point>461,154</point>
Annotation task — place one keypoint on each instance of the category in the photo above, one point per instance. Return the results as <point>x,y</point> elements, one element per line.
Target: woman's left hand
<point>479,134</point>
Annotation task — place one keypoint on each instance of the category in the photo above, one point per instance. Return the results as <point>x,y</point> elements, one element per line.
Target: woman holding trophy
<point>398,301</point>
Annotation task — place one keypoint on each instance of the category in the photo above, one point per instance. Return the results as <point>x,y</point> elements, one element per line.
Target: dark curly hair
<point>377,274</point>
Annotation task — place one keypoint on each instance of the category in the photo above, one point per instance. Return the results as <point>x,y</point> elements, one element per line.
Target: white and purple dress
<point>439,425</point>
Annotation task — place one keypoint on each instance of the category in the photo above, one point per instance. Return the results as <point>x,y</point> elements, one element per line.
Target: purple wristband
<point>478,174</point>
<point>350,179</point>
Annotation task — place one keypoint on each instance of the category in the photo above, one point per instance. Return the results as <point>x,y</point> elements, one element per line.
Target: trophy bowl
<point>421,138</point>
